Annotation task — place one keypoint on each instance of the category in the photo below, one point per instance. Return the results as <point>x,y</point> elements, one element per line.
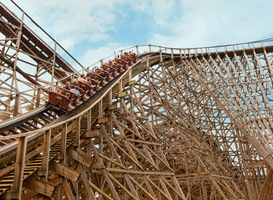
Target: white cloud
<point>205,23</point>
<point>71,22</point>
<point>175,23</point>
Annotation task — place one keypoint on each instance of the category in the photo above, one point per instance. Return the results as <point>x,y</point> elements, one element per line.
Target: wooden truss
<point>28,66</point>
<point>180,124</point>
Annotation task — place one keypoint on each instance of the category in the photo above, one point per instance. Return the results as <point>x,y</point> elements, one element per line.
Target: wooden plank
<point>167,195</point>
<point>100,191</point>
<point>124,188</point>
<point>143,189</point>
<point>79,157</point>
<point>132,188</point>
<point>112,161</point>
<point>122,94</point>
<point>112,107</point>
<point>67,190</point>
<point>29,195</point>
<point>131,83</point>
<point>92,134</point>
<point>129,171</point>
<point>63,143</point>
<point>86,183</point>
<point>45,161</point>
<point>103,120</point>
<point>257,164</point>
<point>65,171</point>
<point>40,186</point>
<point>266,185</point>
<point>16,191</point>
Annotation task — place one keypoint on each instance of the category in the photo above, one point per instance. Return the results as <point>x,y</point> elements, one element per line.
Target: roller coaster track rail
<point>232,82</point>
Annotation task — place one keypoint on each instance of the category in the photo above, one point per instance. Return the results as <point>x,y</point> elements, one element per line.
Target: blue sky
<point>92,29</point>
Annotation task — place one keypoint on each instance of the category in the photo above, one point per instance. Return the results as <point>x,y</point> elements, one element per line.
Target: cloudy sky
<point>92,29</point>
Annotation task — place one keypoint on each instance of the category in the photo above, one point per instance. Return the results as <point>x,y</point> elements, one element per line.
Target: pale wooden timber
<point>180,124</point>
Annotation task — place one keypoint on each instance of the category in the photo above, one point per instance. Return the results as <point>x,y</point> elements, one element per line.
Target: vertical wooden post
<point>78,132</point>
<point>110,97</point>
<point>16,105</point>
<point>100,109</point>
<point>151,95</point>
<point>161,58</point>
<point>63,157</point>
<point>171,53</point>
<point>120,86</point>
<point>14,80</point>
<point>16,191</point>
<point>63,143</point>
<point>89,120</point>
<point>47,140</point>
<point>53,67</point>
<point>89,124</point>
<point>150,48</point>
<point>130,75</point>
<point>110,116</point>
<point>147,62</point>
<point>38,96</point>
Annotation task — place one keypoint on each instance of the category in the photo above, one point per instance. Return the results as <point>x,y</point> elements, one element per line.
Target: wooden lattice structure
<point>179,124</point>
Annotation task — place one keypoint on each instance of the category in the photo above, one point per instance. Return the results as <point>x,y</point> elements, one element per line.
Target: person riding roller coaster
<point>71,95</point>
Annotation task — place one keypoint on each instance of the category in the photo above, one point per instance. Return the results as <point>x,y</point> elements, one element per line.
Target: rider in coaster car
<point>73,89</point>
<point>67,86</point>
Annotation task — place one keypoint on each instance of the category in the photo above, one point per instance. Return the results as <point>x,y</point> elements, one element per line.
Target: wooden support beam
<point>266,186</point>
<point>77,132</point>
<point>103,120</point>
<point>88,120</point>
<point>31,194</point>
<point>68,190</point>
<point>112,107</point>
<point>130,83</point>
<point>117,170</point>
<point>65,171</point>
<point>92,134</point>
<point>100,191</point>
<point>142,188</point>
<point>63,143</point>
<point>79,157</point>
<point>122,94</point>
<point>38,98</point>
<point>257,164</point>
<point>121,186</point>
<point>16,191</point>
<point>86,183</point>
<point>40,186</point>
<point>45,161</point>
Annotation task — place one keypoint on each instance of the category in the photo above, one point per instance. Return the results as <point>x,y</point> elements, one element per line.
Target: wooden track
<point>32,44</point>
<point>41,117</point>
<point>179,124</point>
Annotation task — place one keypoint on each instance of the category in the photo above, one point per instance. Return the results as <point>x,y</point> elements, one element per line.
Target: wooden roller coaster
<point>178,124</point>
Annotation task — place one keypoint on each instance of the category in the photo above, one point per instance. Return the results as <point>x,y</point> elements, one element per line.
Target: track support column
<point>16,191</point>
<point>45,161</point>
